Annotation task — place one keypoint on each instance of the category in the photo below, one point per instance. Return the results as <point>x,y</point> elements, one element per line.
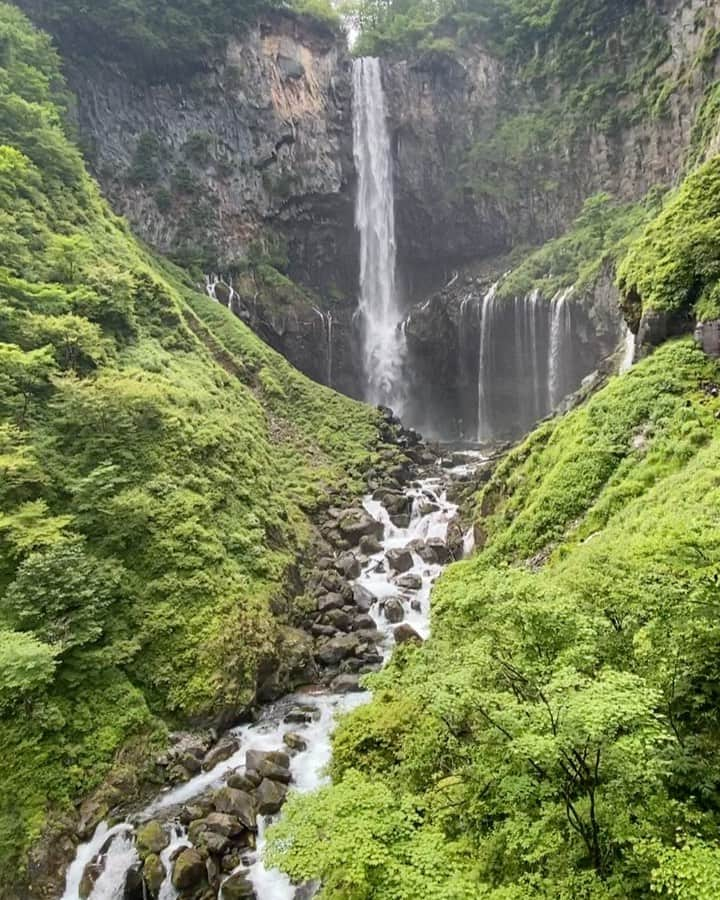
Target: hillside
<point>160,468</point>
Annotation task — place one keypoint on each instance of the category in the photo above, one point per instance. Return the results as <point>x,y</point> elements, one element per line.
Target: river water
<point>431,514</point>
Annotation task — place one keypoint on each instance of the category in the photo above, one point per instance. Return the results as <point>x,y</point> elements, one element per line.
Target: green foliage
<point>675,263</point>
<point>558,733</point>
<point>158,464</point>
<point>597,237</point>
<point>26,665</point>
<point>159,35</point>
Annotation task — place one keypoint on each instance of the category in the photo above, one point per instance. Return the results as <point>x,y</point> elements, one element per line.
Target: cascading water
<point>528,360</point>
<point>560,336</point>
<point>383,342</point>
<point>115,848</point>
<point>484,429</point>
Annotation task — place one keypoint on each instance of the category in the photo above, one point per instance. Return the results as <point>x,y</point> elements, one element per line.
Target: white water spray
<point>383,341</point>
<point>560,333</point>
<point>486,349</point>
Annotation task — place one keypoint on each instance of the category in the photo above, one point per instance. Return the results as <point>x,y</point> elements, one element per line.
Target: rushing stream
<point>430,517</point>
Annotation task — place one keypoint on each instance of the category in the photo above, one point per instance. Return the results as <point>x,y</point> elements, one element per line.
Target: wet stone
<point>346,684</point>
<point>405,634</point>
<point>411,581</point>
<point>394,610</point>
<point>295,742</point>
<point>270,796</point>
<point>223,750</point>
<point>399,560</point>
<point>364,600</point>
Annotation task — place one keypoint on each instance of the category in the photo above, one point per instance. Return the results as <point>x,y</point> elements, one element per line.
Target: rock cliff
<point>243,162</point>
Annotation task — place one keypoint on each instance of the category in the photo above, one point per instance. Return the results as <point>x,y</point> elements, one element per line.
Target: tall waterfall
<point>383,341</point>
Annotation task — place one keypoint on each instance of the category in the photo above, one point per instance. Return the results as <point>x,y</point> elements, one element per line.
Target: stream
<point>115,846</point>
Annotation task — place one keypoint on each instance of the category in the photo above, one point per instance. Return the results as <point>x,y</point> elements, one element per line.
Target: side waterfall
<point>526,360</point>
<point>380,313</point>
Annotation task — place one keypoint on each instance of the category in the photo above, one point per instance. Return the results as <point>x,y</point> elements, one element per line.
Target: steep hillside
<point>160,469</point>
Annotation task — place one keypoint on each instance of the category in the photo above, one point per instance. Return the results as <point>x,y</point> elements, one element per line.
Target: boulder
<point>348,565</point>
<point>330,601</point>
<point>238,887</point>
<point>213,842</point>
<point>153,873</point>
<point>189,870</point>
<point>223,750</point>
<point>134,889</point>
<point>295,742</point>
<point>191,813</point>
<point>318,630</point>
<point>220,823</point>
<point>363,623</point>
<point>91,873</point>
<point>405,634</point>
<point>336,649</point>
<point>244,781</point>
<point>435,551</point>
<point>394,610</point>
<point>411,581</point>
<point>236,803</point>
<point>338,619</point>
<point>370,545</point>
<point>346,684</point>
<point>307,891</point>
<point>399,560</point>
<point>356,523</point>
<point>255,758</point>
<point>270,796</point>
<point>363,599</point>
<point>190,763</point>
<point>301,715</point>
<point>151,838</point>
<point>268,769</point>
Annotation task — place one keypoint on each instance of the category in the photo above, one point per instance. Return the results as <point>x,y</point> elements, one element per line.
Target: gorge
<point>359,438</point>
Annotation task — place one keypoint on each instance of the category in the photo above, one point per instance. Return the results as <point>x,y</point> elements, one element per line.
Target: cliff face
<point>456,205</point>
<point>247,161</point>
<point>242,163</point>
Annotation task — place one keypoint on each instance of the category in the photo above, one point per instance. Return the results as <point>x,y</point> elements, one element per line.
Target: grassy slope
<point>585,630</point>
<point>157,467</point>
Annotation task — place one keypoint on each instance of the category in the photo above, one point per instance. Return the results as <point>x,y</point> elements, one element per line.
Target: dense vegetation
<point>557,736</point>
<point>157,467</point>
<point>674,265</point>
<point>159,34</point>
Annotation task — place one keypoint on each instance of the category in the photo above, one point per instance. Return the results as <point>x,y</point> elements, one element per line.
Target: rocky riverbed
<point>203,837</point>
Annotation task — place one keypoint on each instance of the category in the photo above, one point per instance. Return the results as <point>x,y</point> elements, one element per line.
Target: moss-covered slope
<point>158,465</point>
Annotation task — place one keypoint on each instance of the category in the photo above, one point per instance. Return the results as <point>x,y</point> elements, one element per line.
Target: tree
<point>26,665</point>
<point>62,594</point>
<point>24,378</point>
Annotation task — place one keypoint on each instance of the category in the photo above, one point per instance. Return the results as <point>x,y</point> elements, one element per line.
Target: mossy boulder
<point>151,838</point>
<point>189,871</point>
<point>153,873</point>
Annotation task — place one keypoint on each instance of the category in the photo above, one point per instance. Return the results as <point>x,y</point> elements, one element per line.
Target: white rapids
<point>431,515</point>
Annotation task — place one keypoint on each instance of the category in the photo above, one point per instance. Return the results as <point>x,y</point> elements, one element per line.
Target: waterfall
<point>527,360</point>
<point>628,352</point>
<point>560,334</point>
<point>383,343</point>
<point>484,430</point>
